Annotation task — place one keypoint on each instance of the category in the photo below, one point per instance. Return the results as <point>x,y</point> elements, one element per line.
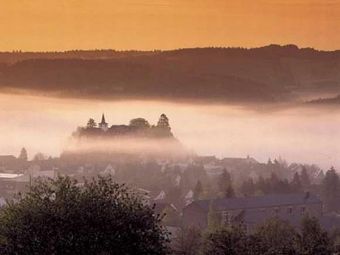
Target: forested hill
<point>272,73</point>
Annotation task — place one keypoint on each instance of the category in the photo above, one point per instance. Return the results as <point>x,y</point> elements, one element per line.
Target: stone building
<point>252,211</point>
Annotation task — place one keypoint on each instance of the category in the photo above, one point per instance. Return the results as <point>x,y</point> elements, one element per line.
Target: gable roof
<point>271,200</point>
<point>7,158</point>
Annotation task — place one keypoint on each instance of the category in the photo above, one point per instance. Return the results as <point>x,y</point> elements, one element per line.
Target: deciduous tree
<point>63,217</point>
<point>91,123</point>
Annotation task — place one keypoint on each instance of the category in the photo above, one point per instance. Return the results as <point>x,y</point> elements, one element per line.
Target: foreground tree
<point>276,237</point>
<point>228,241</point>
<point>313,240</point>
<point>188,241</point>
<point>62,217</point>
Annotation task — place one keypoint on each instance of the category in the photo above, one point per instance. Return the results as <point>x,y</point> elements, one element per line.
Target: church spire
<point>103,119</point>
<point>103,125</point>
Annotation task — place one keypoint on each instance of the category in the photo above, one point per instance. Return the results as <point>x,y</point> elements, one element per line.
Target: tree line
<point>271,238</point>
<point>328,187</point>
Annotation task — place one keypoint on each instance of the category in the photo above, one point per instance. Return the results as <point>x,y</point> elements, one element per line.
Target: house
<point>252,211</point>
<point>11,184</point>
<point>7,159</point>
<point>10,164</point>
<point>169,213</point>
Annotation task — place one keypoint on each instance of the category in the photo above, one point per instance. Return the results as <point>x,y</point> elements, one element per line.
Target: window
<point>290,210</point>
<point>303,210</point>
<point>225,217</point>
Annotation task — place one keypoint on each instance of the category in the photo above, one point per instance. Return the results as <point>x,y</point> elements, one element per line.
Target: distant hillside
<point>268,74</point>
<point>328,101</point>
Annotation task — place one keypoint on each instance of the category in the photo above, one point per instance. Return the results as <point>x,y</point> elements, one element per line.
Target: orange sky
<point>34,25</point>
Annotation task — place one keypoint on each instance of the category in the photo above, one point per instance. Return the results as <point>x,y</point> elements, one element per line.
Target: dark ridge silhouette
<point>267,74</point>
<point>328,101</point>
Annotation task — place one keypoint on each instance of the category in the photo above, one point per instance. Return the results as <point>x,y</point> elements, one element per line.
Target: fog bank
<point>297,134</point>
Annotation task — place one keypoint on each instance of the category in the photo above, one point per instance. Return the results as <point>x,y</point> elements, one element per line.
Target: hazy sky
<point>304,135</point>
<point>163,24</point>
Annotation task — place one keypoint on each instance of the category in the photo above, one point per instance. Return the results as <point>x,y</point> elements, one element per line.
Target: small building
<point>11,184</point>
<point>254,210</point>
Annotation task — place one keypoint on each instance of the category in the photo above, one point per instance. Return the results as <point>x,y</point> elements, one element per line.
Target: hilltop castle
<point>138,127</point>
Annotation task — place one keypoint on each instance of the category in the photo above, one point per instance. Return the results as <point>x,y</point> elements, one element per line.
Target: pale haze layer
<point>40,25</point>
<point>303,135</point>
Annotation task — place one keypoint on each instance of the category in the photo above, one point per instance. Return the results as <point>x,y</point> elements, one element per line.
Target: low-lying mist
<point>297,134</point>
<point>162,147</point>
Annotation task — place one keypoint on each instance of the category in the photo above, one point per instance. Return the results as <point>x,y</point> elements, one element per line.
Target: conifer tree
<point>23,155</point>
<point>296,185</point>
<point>229,193</point>
<point>224,180</point>
<point>248,187</point>
<point>305,180</point>
<point>163,122</point>
<point>198,190</point>
<point>330,190</point>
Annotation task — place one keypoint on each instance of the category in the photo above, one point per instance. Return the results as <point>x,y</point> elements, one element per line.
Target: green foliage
<point>188,241</point>
<point>276,237</point>
<point>163,122</point>
<point>331,190</point>
<point>214,218</point>
<point>296,183</point>
<point>313,240</point>
<point>63,217</point>
<point>23,155</point>
<point>229,193</point>
<point>140,123</point>
<point>248,187</point>
<point>224,184</point>
<point>228,241</point>
<point>91,123</point>
<point>275,184</point>
<point>198,190</point>
<point>305,179</point>
<point>224,181</point>
<point>171,217</point>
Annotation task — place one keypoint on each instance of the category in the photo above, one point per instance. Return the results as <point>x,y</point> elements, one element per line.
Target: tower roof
<point>103,120</point>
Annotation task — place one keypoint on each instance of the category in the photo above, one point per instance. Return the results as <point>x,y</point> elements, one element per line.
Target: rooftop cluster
<point>136,127</point>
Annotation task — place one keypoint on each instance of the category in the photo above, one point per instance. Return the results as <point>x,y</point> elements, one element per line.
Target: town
<point>170,127</point>
<point>188,189</point>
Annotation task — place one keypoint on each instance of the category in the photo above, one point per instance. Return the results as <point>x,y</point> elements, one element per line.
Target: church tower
<point>103,125</point>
